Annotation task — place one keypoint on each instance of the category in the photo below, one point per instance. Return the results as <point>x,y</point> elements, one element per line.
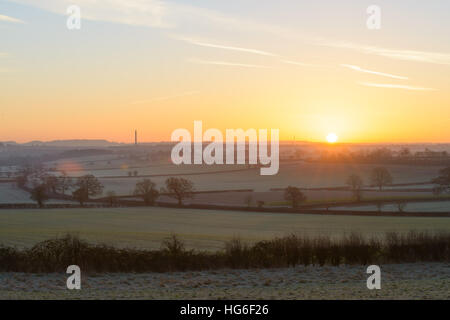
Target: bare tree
<point>90,185</point>
<point>39,194</point>
<point>21,181</point>
<point>294,195</point>
<point>87,186</point>
<point>80,195</point>
<point>355,183</point>
<point>146,189</point>
<point>380,177</point>
<point>65,183</point>
<point>111,197</point>
<point>51,182</point>
<point>179,188</point>
<point>442,182</point>
<point>401,206</point>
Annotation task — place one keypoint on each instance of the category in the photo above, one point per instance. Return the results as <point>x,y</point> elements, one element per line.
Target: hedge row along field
<point>57,254</point>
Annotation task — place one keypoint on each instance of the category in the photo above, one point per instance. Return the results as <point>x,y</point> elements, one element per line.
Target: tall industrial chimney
<point>135,137</point>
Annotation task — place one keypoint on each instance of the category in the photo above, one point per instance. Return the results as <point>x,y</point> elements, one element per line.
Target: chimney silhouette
<point>135,137</point>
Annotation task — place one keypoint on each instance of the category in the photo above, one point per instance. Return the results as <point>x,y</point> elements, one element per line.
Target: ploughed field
<point>146,227</point>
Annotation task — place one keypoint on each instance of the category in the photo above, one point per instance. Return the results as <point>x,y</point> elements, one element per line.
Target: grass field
<point>201,229</point>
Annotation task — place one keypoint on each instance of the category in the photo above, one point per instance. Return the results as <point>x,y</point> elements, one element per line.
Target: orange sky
<point>300,76</point>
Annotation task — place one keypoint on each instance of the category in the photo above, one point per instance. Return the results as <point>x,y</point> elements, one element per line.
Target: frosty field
<point>201,229</point>
<point>399,281</point>
<point>9,193</point>
<point>435,206</point>
<point>300,174</point>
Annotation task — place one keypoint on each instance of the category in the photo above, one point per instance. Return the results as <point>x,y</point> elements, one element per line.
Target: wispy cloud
<point>10,19</point>
<point>359,69</point>
<point>406,55</point>
<point>225,47</point>
<point>155,13</point>
<point>151,13</point>
<point>301,64</point>
<point>226,63</point>
<point>168,14</point>
<point>241,49</point>
<point>162,14</point>
<point>395,86</point>
<point>184,94</point>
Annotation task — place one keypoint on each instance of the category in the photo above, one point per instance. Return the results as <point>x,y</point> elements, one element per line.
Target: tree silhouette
<point>111,198</point>
<point>380,177</point>
<point>80,195</point>
<point>179,188</point>
<point>87,186</point>
<point>51,182</point>
<point>147,191</point>
<point>39,194</point>
<point>294,195</point>
<point>442,182</point>
<point>90,184</point>
<point>355,183</point>
<point>65,183</point>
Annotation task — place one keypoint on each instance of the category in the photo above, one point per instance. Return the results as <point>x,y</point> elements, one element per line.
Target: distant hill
<point>7,142</point>
<point>73,143</point>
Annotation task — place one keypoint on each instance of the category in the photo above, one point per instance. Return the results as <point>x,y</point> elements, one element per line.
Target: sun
<point>332,137</point>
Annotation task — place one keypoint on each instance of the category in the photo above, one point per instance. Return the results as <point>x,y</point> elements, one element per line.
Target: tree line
<point>86,187</point>
<point>379,177</point>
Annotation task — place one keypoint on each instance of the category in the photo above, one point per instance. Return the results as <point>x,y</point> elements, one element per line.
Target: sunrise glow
<point>332,138</point>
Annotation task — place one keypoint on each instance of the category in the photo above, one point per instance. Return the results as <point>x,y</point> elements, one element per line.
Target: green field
<point>201,229</point>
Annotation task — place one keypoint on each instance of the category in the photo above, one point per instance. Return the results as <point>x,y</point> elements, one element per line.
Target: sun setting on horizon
<point>332,137</point>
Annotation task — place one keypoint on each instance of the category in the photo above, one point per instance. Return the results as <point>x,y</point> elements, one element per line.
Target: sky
<point>307,68</point>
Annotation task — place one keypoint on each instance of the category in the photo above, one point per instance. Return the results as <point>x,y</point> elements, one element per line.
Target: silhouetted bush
<point>57,254</point>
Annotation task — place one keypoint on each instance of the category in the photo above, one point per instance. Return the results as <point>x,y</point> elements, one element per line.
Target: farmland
<point>400,281</point>
<point>201,229</point>
<point>9,193</point>
<point>432,206</point>
<point>300,174</point>
<point>321,182</point>
<point>238,190</point>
